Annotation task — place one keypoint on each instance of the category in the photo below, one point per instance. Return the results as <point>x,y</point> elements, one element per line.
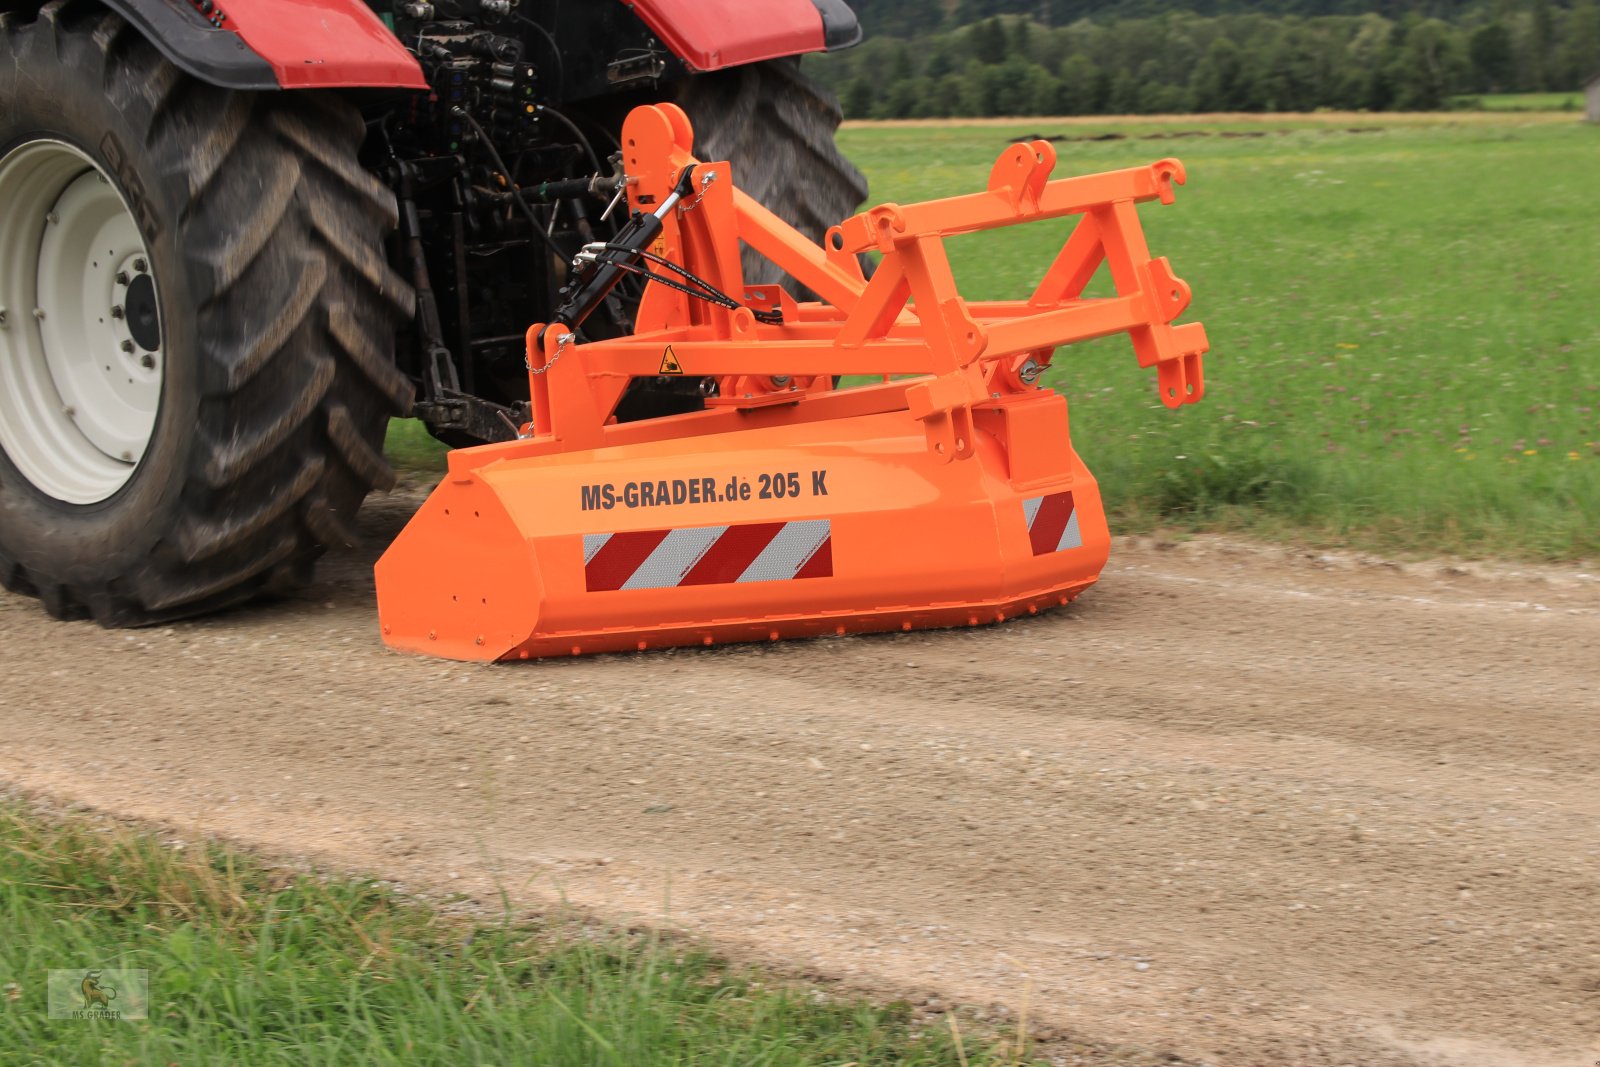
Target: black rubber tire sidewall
<point>279,311</point>
<point>92,544</point>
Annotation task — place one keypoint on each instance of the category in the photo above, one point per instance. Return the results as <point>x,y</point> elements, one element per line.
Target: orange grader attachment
<point>790,508</point>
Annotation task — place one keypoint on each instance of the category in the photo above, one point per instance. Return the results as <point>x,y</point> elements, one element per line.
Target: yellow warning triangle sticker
<point>669,362</point>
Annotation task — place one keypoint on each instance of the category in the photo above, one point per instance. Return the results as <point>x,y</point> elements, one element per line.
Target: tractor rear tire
<point>263,325</point>
<point>777,127</point>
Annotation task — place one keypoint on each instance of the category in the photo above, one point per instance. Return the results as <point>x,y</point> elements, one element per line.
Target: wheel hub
<point>140,305</point>
<point>81,376</point>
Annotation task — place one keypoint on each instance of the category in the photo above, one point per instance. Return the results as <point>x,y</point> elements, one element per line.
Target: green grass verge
<point>1405,344</point>
<point>252,965</point>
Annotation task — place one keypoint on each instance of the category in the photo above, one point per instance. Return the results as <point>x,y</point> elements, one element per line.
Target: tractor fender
<point>713,34</point>
<point>275,44</point>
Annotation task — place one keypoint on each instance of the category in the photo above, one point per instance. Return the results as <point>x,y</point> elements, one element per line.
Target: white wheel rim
<point>82,354</point>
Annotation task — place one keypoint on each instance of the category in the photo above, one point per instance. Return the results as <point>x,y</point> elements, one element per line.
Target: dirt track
<point>1237,806</point>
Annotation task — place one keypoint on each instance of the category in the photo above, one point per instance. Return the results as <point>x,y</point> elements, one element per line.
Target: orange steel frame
<point>908,319</point>
<point>493,565</point>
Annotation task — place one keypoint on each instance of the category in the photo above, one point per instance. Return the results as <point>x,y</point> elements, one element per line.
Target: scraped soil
<point>1238,805</point>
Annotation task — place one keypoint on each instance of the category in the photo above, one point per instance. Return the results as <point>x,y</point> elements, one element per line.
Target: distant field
<point>1405,338</point>
<point>1404,314</point>
<point>1234,120</point>
<point>1570,101</point>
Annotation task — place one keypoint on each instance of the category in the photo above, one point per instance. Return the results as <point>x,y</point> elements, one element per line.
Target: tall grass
<point>250,965</point>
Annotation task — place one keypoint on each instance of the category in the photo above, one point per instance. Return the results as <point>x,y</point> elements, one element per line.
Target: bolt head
<point>52,218</point>
<point>38,313</point>
<point>2,316</point>
<point>127,346</point>
<point>122,277</point>
<point>116,311</point>
<point>141,266</point>
<point>147,361</point>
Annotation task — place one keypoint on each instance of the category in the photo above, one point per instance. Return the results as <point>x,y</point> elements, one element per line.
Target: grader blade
<point>947,494</point>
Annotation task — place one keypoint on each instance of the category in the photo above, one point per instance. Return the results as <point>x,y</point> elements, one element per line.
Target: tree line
<point>1087,57</point>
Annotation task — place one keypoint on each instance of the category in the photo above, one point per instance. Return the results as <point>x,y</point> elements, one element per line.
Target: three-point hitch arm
<point>763,348</point>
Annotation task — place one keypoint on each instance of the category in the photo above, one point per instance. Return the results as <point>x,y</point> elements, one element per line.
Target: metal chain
<point>705,181</point>
<point>561,346</point>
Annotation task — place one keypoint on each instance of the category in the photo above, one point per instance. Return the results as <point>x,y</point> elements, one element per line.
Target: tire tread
<point>778,125</point>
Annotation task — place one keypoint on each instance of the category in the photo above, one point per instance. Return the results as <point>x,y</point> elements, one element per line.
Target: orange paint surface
<point>950,498</point>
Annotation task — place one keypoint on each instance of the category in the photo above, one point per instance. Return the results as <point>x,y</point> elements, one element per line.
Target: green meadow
<point>1572,101</point>
<point>1404,324</point>
<point>1404,315</point>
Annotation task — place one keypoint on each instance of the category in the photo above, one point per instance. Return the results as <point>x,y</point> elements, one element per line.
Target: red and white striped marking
<point>708,555</point>
<point>1052,523</point>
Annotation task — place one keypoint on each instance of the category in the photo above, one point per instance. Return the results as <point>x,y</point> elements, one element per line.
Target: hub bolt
<point>2,316</point>
<point>52,218</point>
<point>122,277</point>
<point>127,346</point>
<point>116,311</point>
<point>147,361</point>
<point>38,313</point>
<point>141,266</point>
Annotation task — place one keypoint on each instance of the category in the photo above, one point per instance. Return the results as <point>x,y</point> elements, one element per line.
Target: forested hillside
<point>923,58</point>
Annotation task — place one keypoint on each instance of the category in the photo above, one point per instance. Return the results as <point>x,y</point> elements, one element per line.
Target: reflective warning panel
<point>708,555</point>
<point>1052,523</point>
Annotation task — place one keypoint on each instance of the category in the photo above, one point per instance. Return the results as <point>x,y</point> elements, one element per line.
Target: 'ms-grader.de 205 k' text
<point>948,494</point>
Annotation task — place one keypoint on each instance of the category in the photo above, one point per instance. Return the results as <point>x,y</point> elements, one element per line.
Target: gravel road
<point>1238,805</point>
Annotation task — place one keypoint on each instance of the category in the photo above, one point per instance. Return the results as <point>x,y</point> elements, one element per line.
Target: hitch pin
<point>705,180</point>
<point>622,191</point>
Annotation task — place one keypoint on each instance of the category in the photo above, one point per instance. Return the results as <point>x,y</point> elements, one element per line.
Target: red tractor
<point>237,238</point>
